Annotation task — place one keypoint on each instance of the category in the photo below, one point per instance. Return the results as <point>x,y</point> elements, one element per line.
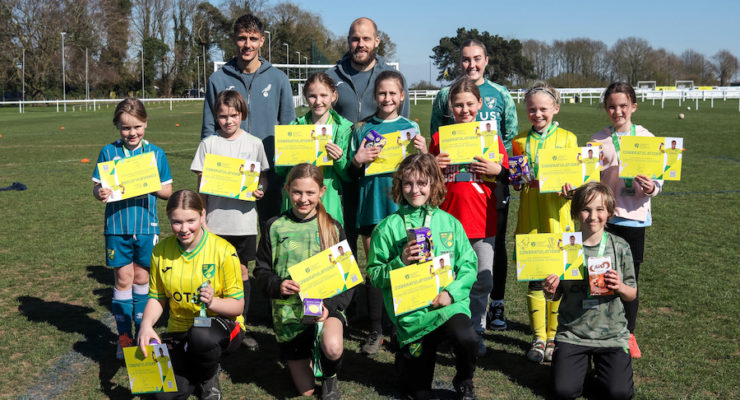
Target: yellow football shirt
<point>176,275</point>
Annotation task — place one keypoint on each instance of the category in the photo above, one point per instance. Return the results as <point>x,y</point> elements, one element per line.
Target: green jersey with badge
<point>286,241</point>
<point>448,235</point>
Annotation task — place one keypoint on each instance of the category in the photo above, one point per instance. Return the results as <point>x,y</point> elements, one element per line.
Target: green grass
<point>55,293</point>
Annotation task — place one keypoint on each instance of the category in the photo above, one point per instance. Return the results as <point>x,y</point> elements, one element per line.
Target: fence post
<point>170,103</point>
<point>57,105</point>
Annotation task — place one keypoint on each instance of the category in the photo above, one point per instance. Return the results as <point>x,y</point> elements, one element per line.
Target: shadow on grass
<point>536,377</point>
<point>95,346</point>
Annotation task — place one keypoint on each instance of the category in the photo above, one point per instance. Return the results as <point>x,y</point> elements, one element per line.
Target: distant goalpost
<point>683,85</point>
<point>646,85</point>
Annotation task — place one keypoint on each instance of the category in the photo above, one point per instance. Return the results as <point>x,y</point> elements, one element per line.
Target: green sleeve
<point>510,123</point>
<point>440,111</point>
<point>466,266</point>
<point>342,137</point>
<point>385,253</point>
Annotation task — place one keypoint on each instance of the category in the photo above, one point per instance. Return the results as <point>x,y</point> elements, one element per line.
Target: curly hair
<point>426,166</point>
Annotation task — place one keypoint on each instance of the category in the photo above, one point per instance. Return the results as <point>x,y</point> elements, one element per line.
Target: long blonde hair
<point>328,235</point>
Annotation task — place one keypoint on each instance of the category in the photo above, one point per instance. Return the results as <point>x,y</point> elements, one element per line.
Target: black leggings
<point>416,373</point>
<point>195,354</point>
<point>613,367</point>
<point>500,261</point>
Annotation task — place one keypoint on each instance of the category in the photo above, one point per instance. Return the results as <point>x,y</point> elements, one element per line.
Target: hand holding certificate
<point>130,177</point>
<point>463,142</point>
<point>541,254</point>
<point>151,374</point>
<point>296,144</point>
<point>230,177</point>
<point>417,285</point>
<point>328,273</point>
<point>393,151</point>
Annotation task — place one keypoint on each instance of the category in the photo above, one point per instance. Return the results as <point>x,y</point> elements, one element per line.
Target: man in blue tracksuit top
<point>355,76</point>
<point>269,102</point>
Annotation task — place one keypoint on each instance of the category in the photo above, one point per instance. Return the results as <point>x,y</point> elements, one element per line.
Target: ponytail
<point>328,235</point>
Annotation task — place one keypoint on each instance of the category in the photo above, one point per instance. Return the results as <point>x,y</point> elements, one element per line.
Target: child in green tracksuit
<point>321,93</point>
<point>419,189</point>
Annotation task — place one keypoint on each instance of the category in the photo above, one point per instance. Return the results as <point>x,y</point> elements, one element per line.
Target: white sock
<point>141,289</point>
<point>122,294</point>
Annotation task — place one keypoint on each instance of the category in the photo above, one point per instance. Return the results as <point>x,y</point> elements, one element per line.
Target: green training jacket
<point>332,199</point>
<point>448,236</point>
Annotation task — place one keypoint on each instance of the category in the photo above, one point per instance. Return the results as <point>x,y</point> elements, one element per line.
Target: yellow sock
<point>552,318</point>
<point>537,313</point>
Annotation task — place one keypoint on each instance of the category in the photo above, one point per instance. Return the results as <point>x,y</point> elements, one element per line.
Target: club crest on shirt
<point>209,270</point>
<point>447,238</point>
<point>489,101</point>
<point>266,90</point>
<point>111,254</point>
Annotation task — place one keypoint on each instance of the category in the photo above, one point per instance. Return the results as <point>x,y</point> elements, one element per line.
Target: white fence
<point>591,95</point>
<point>569,95</point>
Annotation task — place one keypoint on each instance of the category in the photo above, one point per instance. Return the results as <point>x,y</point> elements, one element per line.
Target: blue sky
<point>416,26</point>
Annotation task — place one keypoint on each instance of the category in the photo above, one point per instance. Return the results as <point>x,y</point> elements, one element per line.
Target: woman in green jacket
<point>321,93</point>
<point>418,187</point>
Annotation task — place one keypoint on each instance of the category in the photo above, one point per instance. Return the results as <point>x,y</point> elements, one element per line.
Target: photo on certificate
<point>406,136</point>
<point>673,149</point>
<point>151,374</point>
<point>250,180</point>
<point>489,140</point>
<point>572,246</point>
<point>323,135</point>
<point>590,164</point>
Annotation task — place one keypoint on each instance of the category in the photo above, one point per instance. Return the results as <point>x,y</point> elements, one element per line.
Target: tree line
<point>179,41</point>
<point>175,42</point>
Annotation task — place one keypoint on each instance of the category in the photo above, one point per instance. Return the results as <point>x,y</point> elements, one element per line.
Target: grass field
<point>56,338</point>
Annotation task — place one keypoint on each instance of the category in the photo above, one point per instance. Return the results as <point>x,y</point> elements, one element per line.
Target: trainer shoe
<point>634,349</point>
<point>496,318</point>
<point>549,349</point>
<point>123,342</point>
<point>210,389</point>
<point>250,342</point>
<point>330,389</point>
<point>537,353</point>
<point>481,347</point>
<point>372,343</point>
<point>465,390</point>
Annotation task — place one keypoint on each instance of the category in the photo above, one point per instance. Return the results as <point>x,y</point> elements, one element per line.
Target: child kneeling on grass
<point>594,326</point>
<point>419,189</point>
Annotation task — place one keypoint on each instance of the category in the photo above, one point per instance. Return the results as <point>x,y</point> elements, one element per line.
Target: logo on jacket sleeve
<point>266,90</point>
<point>447,238</point>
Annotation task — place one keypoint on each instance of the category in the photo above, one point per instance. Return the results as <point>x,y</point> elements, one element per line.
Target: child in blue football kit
<point>131,225</point>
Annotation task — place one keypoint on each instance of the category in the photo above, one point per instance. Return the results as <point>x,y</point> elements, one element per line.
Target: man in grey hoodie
<point>269,99</point>
<point>355,76</point>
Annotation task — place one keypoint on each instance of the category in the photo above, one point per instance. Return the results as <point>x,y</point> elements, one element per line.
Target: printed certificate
<point>415,286</point>
<point>230,177</point>
<point>130,177</point>
<point>558,166</point>
<point>591,163</point>
<point>149,374</point>
<point>296,144</point>
<point>328,273</point>
<point>398,145</point>
<point>465,141</point>
<point>640,155</point>
<point>541,254</point>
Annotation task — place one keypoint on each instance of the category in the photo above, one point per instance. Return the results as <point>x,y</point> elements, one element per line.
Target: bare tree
<point>630,58</point>
<point>726,65</point>
<point>540,54</point>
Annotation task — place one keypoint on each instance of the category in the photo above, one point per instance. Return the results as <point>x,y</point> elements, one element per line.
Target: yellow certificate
<point>465,141</point>
<point>558,166</point>
<point>640,155</point>
<point>230,177</point>
<point>130,177</point>
<point>150,374</point>
<point>296,144</point>
<point>328,273</point>
<point>415,286</point>
<point>673,148</point>
<point>395,150</point>
<point>541,254</point>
